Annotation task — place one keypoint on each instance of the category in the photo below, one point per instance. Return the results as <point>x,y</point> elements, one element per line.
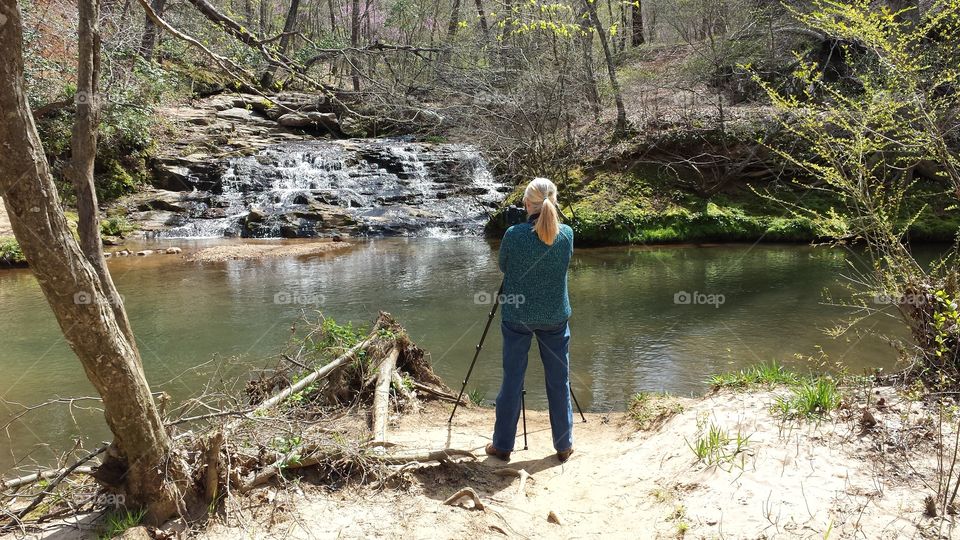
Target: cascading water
<point>359,186</point>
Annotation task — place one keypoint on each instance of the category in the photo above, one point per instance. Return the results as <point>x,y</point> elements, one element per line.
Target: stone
<point>294,120</point>
<point>173,251</point>
<point>145,253</point>
<point>136,533</point>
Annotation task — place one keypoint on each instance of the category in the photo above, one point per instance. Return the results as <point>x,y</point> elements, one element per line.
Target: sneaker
<point>499,454</point>
<point>564,455</point>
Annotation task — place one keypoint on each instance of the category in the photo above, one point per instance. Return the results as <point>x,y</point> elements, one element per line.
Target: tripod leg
<point>577,403</point>
<point>476,353</point>
<point>523,407</point>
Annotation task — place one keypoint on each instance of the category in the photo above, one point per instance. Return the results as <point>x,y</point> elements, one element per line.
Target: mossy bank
<point>641,206</point>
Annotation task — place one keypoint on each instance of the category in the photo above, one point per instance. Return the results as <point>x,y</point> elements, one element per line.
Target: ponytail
<point>542,194</point>
<point>548,224</point>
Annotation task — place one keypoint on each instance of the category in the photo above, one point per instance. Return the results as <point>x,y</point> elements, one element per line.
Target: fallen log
<point>381,396</point>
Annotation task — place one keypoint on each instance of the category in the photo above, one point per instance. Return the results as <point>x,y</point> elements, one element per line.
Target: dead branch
<point>53,485</point>
<point>381,396</point>
<point>309,379</point>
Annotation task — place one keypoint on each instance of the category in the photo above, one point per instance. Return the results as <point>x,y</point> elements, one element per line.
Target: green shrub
<point>116,226</point>
<point>10,253</point>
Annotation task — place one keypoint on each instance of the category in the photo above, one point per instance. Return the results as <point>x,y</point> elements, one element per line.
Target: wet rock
<point>145,253</point>
<point>173,251</point>
<point>122,253</point>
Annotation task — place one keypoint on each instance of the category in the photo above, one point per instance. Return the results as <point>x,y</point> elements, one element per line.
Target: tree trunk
<point>149,40</point>
<point>586,43</point>
<point>454,18</point>
<point>354,42</point>
<point>141,461</point>
<point>621,126</point>
<point>265,23</point>
<point>483,20</point>
<point>637,22</point>
<point>290,25</point>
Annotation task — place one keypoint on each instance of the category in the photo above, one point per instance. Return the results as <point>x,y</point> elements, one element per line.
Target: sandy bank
<point>263,251</point>
<point>795,479</point>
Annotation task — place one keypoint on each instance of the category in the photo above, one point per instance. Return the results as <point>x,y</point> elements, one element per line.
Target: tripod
<point>523,394</point>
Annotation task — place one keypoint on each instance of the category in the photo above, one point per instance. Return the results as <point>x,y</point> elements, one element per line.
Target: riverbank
<point>632,476</point>
<point>818,478</point>
<point>639,206</point>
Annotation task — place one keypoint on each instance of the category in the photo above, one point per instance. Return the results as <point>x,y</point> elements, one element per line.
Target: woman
<point>534,257</point>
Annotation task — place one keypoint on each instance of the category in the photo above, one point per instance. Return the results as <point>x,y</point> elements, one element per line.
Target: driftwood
<point>32,478</point>
<point>381,396</point>
<point>309,379</point>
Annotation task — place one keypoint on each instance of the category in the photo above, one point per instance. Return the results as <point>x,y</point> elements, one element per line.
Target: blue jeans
<point>554,343</point>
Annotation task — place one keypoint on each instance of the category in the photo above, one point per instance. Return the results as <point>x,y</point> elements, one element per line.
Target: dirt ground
<point>831,479</point>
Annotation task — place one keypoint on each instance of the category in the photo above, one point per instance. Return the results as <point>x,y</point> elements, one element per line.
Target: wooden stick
<point>31,478</point>
<point>212,459</point>
<point>440,394</point>
<point>381,396</point>
<point>405,392</point>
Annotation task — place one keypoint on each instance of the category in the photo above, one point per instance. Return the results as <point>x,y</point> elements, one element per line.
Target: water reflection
<point>629,333</point>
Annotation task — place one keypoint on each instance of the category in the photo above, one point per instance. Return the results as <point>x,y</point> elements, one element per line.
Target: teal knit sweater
<point>535,275</point>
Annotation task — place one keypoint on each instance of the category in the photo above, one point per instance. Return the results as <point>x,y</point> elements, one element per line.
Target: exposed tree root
<point>465,492</point>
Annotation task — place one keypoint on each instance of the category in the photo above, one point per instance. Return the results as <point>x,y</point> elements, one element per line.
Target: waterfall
<point>350,187</point>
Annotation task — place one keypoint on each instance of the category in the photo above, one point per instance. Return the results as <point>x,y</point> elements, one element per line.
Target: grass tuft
<point>714,446</point>
<point>763,374</point>
<point>650,410</point>
<point>119,521</point>
<point>809,399</point>
<point>476,396</point>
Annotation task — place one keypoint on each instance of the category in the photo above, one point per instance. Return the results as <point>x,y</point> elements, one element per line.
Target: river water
<point>644,319</point>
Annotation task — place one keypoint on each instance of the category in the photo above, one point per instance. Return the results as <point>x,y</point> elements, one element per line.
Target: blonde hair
<point>542,196</point>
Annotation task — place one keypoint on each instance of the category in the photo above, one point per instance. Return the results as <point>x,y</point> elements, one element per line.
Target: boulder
<point>145,252</point>
<point>173,251</point>
<point>294,120</point>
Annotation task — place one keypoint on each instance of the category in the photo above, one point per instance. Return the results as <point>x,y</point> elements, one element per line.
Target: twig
<point>53,485</point>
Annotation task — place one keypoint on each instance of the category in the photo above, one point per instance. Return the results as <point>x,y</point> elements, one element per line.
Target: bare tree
<point>141,461</point>
<point>621,126</point>
<point>636,34</point>
<point>289,27</point>
<point>149,41</point>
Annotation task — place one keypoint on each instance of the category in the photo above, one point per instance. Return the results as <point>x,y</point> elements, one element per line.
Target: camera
<point>515,214</point>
